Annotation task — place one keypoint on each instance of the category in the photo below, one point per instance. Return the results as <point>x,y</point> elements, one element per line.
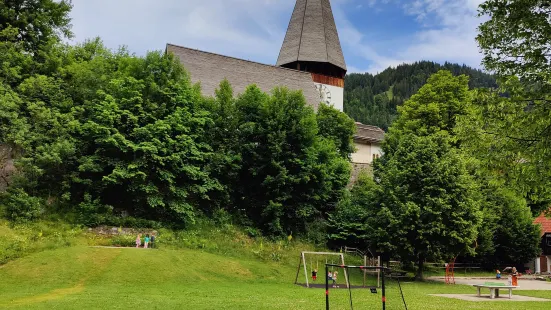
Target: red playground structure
<point>450,278</point>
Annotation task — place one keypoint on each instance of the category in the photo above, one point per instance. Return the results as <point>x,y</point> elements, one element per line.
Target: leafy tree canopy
<point>515,38</point>
<point>511,133</point>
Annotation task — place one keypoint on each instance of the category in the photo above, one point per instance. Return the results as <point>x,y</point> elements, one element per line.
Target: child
<point>329,276</point>
<point>335,278</point>
<point>152,241</point>
<point>146,241</point>
<point>314,274</point>
<point>514,277</point>
<point>498,274</point>
<point>138,240</point>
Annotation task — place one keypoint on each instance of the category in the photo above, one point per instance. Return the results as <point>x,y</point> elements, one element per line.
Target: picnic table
<point>494,289</point>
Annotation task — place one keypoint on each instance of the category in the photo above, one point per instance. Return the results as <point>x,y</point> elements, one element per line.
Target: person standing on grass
<point>138,240</point>
<point>335,274</point>
<point>329,276</point>
<point>146,241</point>
<point>152,241</point>
<point>314,274</point>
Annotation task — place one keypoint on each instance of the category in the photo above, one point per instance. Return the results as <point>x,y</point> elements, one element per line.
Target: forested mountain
<point>372,99</point>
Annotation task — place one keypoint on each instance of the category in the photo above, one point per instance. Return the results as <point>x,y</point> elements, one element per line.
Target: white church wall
<point>362,154</point>
<point>376,150</point>
<point>336,94</point>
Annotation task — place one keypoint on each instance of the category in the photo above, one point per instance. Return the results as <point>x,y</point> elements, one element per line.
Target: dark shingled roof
<point>368,134</point>
<point>312,35</point>
<point>210,69</point>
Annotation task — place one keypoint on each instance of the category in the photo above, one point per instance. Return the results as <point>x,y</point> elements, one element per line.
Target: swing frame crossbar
<point>382,270</point>
<point>303,262</point>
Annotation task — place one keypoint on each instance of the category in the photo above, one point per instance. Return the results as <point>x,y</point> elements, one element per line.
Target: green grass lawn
<point>91,278</point>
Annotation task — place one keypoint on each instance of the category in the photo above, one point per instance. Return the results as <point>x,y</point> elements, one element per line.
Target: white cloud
<point>240,28</point>
<point>447,33</point>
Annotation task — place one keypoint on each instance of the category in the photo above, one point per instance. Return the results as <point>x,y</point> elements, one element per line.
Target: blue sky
<point>374,34</point>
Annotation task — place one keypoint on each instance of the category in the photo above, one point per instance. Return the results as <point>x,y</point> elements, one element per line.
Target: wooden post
<point>365,270</point>
<point>345,274</point>
<point>298,270</point>
<point>305,271</point>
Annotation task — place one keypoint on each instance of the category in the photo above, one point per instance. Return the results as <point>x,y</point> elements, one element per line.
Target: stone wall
<point>356,169</point>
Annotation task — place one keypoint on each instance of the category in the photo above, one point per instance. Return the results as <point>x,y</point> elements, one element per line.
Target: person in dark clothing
<point>152,241</point>
<point>314,274</point>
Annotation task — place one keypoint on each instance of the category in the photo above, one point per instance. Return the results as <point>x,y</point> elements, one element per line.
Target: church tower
<point>312,45</point>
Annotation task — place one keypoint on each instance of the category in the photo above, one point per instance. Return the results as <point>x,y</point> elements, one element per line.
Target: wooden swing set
<point>302,262</point>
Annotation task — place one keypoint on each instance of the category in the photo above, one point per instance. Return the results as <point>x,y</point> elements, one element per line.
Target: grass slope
<point>86,278</point>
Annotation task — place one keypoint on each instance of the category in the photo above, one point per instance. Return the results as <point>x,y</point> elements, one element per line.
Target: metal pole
<point>349,291</point>
<point>379,271</point>
<point>384,296</point>
<point>326,288</point>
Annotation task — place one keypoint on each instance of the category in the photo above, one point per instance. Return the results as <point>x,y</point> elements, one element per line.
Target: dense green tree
<point>29,30</point>
<point>289,174</point>
<point>223,135</point>
<point>510,140</point>
<point>515,39</point>
<point>352,223</point>
<point>336,126</point>
<point>425,204</point>
<point>439,106</point>
<point>425,161</point>
<point>511,133</point>
<point>429,199</point>
<point>507,234</point>
<point>435,106</point>
<point>36,21</point>
<point>114,130</point>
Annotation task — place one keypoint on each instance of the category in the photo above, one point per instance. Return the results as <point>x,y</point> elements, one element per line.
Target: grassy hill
<point>82,277</point>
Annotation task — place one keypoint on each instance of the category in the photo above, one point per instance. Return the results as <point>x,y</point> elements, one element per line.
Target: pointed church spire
<point>312,38</point>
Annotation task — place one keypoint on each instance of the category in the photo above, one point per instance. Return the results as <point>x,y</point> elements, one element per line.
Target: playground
<point>81,277</point>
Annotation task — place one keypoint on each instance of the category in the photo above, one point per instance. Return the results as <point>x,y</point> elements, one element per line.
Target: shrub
<point>124,241</point>
<point>18,240</point>
<point>20,207</point>
<point>92,213</point>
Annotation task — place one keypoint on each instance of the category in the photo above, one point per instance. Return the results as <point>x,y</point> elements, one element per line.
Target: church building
<point>310,59</point>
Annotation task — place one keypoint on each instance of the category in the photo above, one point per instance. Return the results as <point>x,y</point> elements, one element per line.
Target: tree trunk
<point>420,264</point>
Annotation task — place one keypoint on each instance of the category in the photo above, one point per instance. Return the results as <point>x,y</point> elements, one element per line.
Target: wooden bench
<point>494,289</point>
